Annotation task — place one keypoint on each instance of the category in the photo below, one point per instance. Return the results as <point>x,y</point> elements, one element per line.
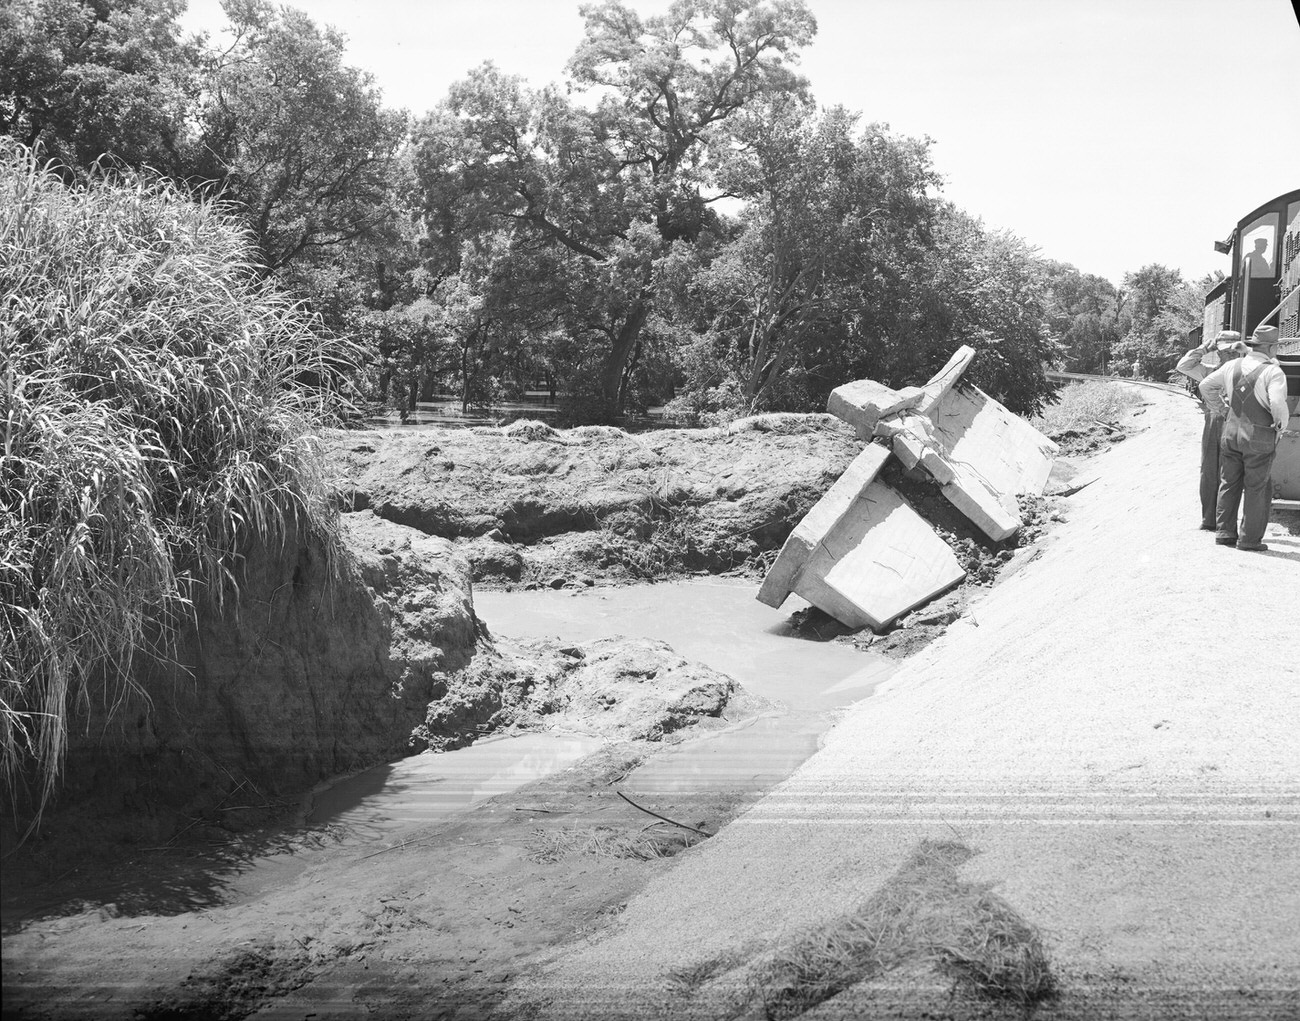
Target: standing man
<point>1198,363</point>
<point>1253,393</point>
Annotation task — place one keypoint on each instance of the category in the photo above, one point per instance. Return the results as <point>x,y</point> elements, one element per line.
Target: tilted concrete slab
<point>818,523</point>
<point>1009,455</point>
<point>986,510</point>
<point>864,402</point>
<point>979,452</point>
<point>881,560</point>
<point>945,379</point>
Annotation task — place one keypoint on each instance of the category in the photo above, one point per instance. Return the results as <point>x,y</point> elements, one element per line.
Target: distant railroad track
<point>1150,384</point>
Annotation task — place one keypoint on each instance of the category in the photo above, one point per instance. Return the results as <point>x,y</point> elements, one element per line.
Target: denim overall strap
<point>1244,403</point>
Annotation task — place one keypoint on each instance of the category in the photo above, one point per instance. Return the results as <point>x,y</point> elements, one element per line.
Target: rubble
<point>863,554</point>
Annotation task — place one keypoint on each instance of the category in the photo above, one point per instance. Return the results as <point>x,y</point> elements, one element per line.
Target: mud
<point>434,923</point>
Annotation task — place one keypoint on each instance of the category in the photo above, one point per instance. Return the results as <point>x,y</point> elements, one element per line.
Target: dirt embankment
<point>531,505</point>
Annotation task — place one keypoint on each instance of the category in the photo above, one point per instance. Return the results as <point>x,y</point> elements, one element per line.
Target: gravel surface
<point>1113,731</point>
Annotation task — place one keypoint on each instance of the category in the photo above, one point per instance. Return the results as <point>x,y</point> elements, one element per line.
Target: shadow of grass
<point>924,913</point>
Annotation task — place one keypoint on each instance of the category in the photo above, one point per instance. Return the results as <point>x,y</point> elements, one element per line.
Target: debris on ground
<point>863,554</point>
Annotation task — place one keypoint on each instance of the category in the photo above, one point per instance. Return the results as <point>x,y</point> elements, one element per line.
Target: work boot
<point>1254,547</point>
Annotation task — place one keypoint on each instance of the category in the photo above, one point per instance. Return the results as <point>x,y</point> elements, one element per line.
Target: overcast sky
<point>1109,133</point>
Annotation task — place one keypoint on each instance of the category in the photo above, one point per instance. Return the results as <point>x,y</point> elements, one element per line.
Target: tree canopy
<point>676,220</point>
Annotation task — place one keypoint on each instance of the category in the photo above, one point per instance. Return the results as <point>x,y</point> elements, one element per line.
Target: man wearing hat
<point>1198,363</point>
<point>1252,392</point>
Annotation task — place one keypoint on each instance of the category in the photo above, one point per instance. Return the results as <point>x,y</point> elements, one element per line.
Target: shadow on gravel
<point>924,915</point>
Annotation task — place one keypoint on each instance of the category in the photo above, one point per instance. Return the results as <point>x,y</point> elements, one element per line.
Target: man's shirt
<point>1270,388</point>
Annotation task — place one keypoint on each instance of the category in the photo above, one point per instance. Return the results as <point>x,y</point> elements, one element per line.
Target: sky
<point>1108,133</point>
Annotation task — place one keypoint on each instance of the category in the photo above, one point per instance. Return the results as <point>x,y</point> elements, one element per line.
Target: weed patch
<point>924,913</point>
<point>158,405</point>
<point>1085,416</point>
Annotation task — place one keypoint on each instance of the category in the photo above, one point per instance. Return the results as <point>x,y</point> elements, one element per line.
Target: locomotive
<point>1263,288</point>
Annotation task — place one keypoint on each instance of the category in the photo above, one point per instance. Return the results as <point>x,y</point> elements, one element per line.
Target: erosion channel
<point>417,889</point>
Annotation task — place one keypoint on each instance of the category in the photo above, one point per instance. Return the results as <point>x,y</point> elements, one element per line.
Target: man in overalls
<point>1253,391</point>
<point>1198,363</point>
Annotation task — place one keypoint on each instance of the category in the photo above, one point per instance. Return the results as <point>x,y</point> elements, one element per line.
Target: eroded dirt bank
<point>532,505</point>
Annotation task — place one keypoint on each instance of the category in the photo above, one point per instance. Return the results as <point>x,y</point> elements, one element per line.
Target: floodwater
<point>715,621</point>
<point>446,413</point>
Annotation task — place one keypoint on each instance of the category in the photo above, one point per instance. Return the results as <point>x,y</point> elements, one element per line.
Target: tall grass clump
<point>158,405</point>
<point>1078,407</point>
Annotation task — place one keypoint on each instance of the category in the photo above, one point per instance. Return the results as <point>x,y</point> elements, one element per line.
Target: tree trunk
<point>627,374</point>
<point>464,377</point>
<point>611,371</point>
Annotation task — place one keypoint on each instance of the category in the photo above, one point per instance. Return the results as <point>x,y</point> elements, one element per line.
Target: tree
<point>1164,309</point>
<point>833,214</point>
<point>296,137</point>
<point>612,189</point>
<point>989,290</point>
<point>1086,315</point>
<point>88,78</point>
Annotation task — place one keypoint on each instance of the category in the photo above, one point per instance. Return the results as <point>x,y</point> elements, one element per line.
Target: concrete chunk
<point>864,402</point>
<point>1008,454</point>
<point>945,379</point>
<point>881,560</point>
<point>818,523</point>
<point>985,510</point>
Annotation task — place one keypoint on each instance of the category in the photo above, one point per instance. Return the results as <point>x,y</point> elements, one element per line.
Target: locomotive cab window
<point>1258,252</point>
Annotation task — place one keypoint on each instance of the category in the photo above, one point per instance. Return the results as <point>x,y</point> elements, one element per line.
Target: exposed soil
<point>530,505</point>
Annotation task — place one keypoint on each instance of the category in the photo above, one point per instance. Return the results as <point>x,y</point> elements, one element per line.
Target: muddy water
<point>721,624</point>
<point>715,621</point>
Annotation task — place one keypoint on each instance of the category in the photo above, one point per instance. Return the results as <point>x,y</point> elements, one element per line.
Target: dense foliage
<point>159,403</point>
<point>677,220</point>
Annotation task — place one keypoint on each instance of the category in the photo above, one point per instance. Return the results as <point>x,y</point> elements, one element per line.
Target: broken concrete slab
<point>945,379</point>
<point>881,560</point>
<point>864,402</point>
<point>863,554</point>
<point>985,509</point>
<point>915,443</point>
<point>819,522</point>
<point>1009,454</point>
<point>978,451</point>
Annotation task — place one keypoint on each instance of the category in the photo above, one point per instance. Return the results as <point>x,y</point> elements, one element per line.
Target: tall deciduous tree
<point>1087,317</point>
<point>296,136</point>
<point>833,216</point>
<point>614,186</point>
<point>91,78</point>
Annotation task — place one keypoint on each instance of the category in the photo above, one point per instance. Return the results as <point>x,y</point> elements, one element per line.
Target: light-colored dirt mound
<point>538,501</point>
<point>614,688</point>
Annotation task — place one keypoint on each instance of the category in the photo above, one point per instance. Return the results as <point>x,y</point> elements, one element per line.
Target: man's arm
<point>1190,363</point>
<point>1277,398</point>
